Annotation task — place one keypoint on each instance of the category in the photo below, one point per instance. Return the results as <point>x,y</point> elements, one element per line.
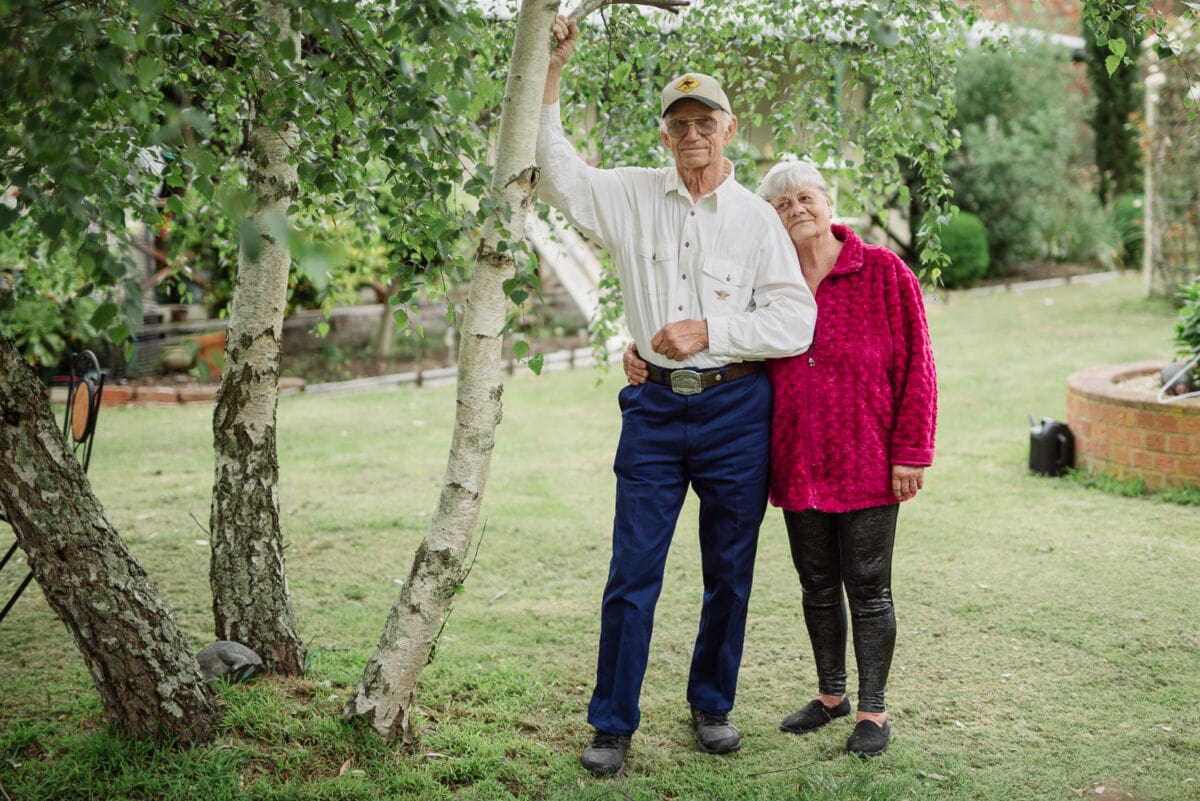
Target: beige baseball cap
<point>695,86</point>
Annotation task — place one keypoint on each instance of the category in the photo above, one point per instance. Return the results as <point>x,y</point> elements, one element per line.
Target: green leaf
<point>204,186</point>
<point>148,70</point>
<point>459,100</point>
<point>148,8</point>
<point>105,313</point>
<point>316,267</point>
<point>1117,47</point>
<point>520,348</point>
<point>249,239</point>
<point>1112,63</point>
<point>197,119</point>
<point>535,364</point>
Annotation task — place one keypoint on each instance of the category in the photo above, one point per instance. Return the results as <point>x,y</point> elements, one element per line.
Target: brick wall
<point>1126,433</point>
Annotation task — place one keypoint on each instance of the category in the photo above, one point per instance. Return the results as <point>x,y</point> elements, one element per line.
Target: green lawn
<point>1049,640</point>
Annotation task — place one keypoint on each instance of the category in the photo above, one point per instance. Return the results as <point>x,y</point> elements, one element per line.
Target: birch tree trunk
<point>140,660</point>
<point>387,688</point>
<point>251,602</point>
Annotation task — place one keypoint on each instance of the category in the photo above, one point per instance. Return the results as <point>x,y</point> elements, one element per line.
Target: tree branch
<point>588,6</point>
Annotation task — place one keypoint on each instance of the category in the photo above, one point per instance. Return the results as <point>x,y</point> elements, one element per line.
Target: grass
<point>1048,642</point>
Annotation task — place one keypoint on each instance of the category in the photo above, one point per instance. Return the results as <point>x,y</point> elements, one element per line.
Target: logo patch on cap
<point>687,84</point>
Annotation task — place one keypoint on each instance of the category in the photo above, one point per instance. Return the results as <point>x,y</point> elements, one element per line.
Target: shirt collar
<point>675,184</point>
<point>850,260</point>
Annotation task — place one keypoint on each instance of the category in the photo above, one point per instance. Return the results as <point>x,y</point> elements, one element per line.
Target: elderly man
<point>711,287</point>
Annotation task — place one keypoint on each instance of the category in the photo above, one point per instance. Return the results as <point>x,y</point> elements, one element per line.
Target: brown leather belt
<point>686,381</point>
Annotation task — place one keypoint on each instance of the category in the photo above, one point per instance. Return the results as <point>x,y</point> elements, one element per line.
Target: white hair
<point>788,176</point>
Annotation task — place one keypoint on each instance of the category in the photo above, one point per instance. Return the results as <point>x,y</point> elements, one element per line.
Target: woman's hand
<point>906,480</point>
<point>635,369</point>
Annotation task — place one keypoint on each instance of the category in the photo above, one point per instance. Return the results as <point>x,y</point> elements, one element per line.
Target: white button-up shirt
<point>724,258</point>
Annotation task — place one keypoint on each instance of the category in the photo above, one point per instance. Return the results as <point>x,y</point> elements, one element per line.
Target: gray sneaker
<point>605,755</point>
<point>714,733</point>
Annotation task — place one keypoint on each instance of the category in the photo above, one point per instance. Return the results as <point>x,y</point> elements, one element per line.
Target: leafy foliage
<point>1187,328</point>
<point>140,109</point>
<point>1018,166</point>
<point>1174,141</point>
<point>856,87</point>
<point>46,308</point>
<point>1115,112</point>
<point>1129,223</point>
<point>964,239</point>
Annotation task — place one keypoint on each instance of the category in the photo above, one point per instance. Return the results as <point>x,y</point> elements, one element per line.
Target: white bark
<point>386,690</point>
<point>251,603</point>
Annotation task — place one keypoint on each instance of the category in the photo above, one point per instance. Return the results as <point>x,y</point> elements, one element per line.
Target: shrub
<point>46,306</point>
<point>1020,118</point>
<point>1079,230</point>
<point>1187,329</point>
<point>965,242</point>
<point>1129,222</point>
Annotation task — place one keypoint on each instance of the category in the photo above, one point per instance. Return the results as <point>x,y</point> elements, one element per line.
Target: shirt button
<point>687,244</point>
<point>681,308</point>
<point>685,276</point>
<point>692,213</point>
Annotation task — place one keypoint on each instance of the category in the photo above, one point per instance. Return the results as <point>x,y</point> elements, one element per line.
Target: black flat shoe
<point>869,738</point>
<point>605,755</point>
<point>814,716</point>
<point>714,733</point>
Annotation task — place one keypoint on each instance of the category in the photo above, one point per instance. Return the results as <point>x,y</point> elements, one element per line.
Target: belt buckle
<point>686,382</point>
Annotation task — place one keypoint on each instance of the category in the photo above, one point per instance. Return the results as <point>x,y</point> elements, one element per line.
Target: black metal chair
<point>84,387</point>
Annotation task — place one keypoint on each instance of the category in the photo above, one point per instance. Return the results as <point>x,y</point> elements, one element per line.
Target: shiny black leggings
<point>853,549</point>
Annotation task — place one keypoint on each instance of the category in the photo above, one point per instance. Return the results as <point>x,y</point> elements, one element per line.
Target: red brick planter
<point>117,395</point>
<point>1126,433</point>
<point>198,393</point>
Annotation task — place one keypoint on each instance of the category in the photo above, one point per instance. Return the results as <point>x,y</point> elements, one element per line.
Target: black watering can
<point>1051,447</point>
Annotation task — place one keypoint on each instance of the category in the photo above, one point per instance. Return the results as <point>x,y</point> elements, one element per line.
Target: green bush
<point>1021,121</point>
<point>1129,221</point>
<point>965,242</point>
<point>1187,329</point>
<point>46,306</point>
<point>1079,230</point>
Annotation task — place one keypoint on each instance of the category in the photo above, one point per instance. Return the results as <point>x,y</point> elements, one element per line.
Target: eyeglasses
<point>705,126</point>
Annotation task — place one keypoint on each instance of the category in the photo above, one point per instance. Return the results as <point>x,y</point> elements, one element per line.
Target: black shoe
<point>814,716</point>
<point>714,733</point>
<point>605,756</point>
<point>869,738</point>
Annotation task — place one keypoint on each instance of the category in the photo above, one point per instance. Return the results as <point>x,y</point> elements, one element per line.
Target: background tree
<point>388,685</point>
<point>1019,168</point>
<point>1116,109</point>
<point>140,661</point>
<point>77,108</point>
<point>91,132</point>
<point>251,604</point>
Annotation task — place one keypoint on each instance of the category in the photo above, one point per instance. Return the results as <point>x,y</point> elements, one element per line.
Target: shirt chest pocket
<point>659,264</point>
<point>726,284</point>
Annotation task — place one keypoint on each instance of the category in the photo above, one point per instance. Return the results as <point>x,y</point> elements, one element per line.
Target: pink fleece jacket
<point>864,395</point>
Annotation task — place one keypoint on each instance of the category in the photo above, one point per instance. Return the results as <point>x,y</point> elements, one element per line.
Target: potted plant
<point>1183,376</point>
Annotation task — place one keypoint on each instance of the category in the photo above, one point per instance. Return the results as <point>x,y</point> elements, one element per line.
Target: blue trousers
<point>718,443</point>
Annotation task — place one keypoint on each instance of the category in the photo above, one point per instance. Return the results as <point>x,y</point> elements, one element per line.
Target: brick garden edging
<point>1121,432</point>
<point>165,395</point>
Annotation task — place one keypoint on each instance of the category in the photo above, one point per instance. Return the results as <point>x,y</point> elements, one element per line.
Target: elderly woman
<point>852,432</point>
